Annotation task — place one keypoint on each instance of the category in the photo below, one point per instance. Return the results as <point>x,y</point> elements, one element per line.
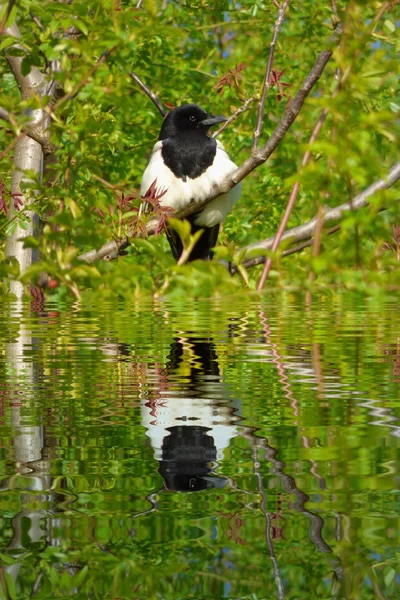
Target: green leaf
<point>11,589</point>
<point>389,576</point>
<point>6,559</point>
<point>390,26</point>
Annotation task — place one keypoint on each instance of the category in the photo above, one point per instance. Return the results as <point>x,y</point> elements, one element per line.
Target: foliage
<point>214,54</point>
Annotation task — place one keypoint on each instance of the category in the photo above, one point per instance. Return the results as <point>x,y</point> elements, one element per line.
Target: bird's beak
<point>210,121</point>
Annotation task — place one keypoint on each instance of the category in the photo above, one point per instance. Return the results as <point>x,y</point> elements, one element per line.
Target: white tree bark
<point>28,156</point>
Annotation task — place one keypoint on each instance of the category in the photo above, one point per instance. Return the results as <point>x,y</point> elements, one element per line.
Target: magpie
<point>185,164</point>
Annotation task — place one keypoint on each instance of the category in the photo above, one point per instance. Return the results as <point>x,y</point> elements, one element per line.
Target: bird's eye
<point>192,118</point>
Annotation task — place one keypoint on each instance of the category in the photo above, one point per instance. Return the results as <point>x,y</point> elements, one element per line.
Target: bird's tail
<point>202,249</point>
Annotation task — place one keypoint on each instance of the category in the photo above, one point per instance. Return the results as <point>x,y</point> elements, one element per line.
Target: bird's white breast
<point>180,193</point>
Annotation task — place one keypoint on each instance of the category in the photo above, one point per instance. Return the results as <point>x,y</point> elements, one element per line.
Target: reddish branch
<point>267,77</point>
<point>291,201</point>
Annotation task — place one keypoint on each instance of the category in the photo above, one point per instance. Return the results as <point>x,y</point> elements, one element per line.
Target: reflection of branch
<point>280,365</point>
<point>149,93</point>
<point>267,82</point>
<point>267,516</point>
<point>289,485</point>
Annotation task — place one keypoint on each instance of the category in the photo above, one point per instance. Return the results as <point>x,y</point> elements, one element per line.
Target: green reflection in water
<point>208,450</point>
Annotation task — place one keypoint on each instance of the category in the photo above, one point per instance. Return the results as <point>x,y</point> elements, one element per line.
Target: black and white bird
<point>187,162</point>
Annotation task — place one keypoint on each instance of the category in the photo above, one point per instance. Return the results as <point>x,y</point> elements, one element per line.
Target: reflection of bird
<point>186,164</point>
<point>192,421</point>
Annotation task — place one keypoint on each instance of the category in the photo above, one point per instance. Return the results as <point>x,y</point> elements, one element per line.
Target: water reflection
<point>270,421</point>
<point>191,420</point>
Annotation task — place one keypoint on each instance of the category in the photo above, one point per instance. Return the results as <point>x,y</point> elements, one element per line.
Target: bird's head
<point>186,118</point>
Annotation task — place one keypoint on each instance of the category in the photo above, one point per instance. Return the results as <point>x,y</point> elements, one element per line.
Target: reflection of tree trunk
<point>31,471</point>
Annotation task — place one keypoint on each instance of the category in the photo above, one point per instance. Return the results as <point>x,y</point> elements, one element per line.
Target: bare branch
<point>149,93</point>
<point>288,117</point>
<point>111,249</point>
<point>267,83</point>
<point>139,4</point>
<point>306,231</point>
<point>260,260</point>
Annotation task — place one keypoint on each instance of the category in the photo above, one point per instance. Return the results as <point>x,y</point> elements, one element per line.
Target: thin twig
<point>291,201</point>
<point>139,4</point>
<point>316,247</point>
<point>267,83</point>
<point>149,93</point>
<point>245,106</point>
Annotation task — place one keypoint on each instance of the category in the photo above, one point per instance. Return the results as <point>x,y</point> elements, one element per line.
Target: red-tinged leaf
<point>230,79</point>
<point>169,105</point>
<point>18,200</point>
<point>275,81</point>
<point>3,203</point>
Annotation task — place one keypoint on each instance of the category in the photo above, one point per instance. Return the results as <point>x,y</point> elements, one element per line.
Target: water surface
<point>242,450</point>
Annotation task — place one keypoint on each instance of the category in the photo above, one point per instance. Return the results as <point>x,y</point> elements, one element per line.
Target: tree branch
<point>34,130</point>
<point>306,231</point>
<point>111,250</point>
<point>288,117</point>
<point>267,83</point>
<point>149,93</point>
